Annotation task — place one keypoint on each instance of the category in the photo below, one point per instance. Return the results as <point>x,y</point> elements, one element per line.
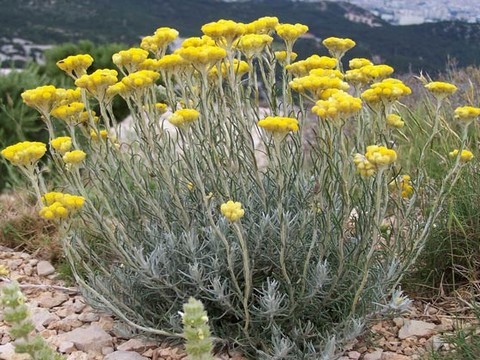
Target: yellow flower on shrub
<point>172,63</point>
<point>263,25</point>
<point>380,156</point>
<point>290,32</point>
<point>281,57</point>
<point>96,135</point>
<point>25,153</point>
<point>278,125</point>
<point>138,81</point>
<point>441,89</point>
<point>70,113</point>
<point>74,157</point>
<point>43,98</point>
<point>253,44</point>
<point>364,167</point>
<point>183,117</point>
<point>75,65</point>
<point>465,156</point>
<point>130,59</point>
<point>202,57</point>
<point>316,84</point>
<point>62,144</point>
<point>395,121</point>
<point>303,67</point>
<point>357,63</point>
<point>467,114</point>
<point>224,32</point>
<point>403,184</point>
<point>339,105</point>
<point>98,82</point>
<point>158,42</point>
<point>240,68</point>
<point>376,72</point>
<point>198,41</point>
<point>337,47</point>
<point>387,92</point>
<point>59,205</point>
<point>232,210</point>
<point>161,108</point>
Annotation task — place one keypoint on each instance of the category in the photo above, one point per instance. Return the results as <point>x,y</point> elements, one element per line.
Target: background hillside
<point>421,47</point>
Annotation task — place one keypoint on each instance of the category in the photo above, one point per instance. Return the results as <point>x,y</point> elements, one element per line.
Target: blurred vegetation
<point>414,48</point>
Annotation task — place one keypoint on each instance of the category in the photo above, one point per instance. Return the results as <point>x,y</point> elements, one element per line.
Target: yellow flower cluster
<point>232,210</point>
<point>387,91</point>
<point>263,25</point>
<point>224,32</point>
<point>465,156</point>
<point>253,44</point>
<point>4,271</point>
<point>75,65</point>
<point>368,73</point>
<point>161,108</point>
<point>364,167</point>
<point>59,205</point>
<point>70,113</point>
<point>467,114</point>
<point>290,32</point>
<point>239,67</point>
<point>74,157</point>
<point>202,57</point>
<point>339,105</point>
<point>357,63</point>
<point>130,59</point>
<point>140,80</point>
<point>403,184</point>
<point>62,144</point>
<point>380,156</point>
<point>98,82</point>
<point>281,57</point>
<point>279,125</point>
<point>303,67</point>
<point>70,95</point>
<point>43,98</point>
<point>96,135</point>
<point>198,41</point>
<point>441,89</point>
<point>395,121</point>
<point>25,153</point>
<point>158,42</point>
<point>337,47</point>
<point>317,84</point>
<point>183,117</point>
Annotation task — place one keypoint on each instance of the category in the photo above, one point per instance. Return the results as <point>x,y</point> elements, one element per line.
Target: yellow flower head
<point>364,167</point>
<point>74,157</point>
<point>138,81</point>
<point>24,153</point>
<point>130,59</point>
<point>62,144</point>
<point>224,32</point>
<point>232,210</point>
<point>337,47</point>
<point>263,25</point>
<point>290,32</point>
<point>279,126</point>
<point>387,91</point>
<point>183,117</point>
<point>316,84</point>
<point>59,205</point>
<point>198,41</point>
<point>4,270</point>
<point>75,65</point>
<point>202,57</point>
<point>161,108</point>
<point>158,42</point>
<point>173,63</point>
<point>357,63</point>
<point>441,89</point>
<point>239,67</point>
<point>98,82</point>
<point>303,67</point>
<point>253,44</point>
<point>467,114</point>
<point>281,57</point>
<point>339,105</point>
<point>395,121</point>
<point>96,135</point>
<point>465,156</point>
<point>70,113</point>
<point>43,98</point>
<point>403,184</point>
<point>380,156</point>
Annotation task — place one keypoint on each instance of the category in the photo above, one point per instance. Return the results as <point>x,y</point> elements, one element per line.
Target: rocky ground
<point>73,328</point>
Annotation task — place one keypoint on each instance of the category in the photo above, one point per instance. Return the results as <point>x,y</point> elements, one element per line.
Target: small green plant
<point>15,313</point>
<point>198,342</point>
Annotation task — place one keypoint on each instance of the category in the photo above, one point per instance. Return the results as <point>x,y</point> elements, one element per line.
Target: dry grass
<point>22,229</point>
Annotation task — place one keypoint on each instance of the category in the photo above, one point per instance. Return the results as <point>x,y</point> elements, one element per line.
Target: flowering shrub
<point>293,223</point>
